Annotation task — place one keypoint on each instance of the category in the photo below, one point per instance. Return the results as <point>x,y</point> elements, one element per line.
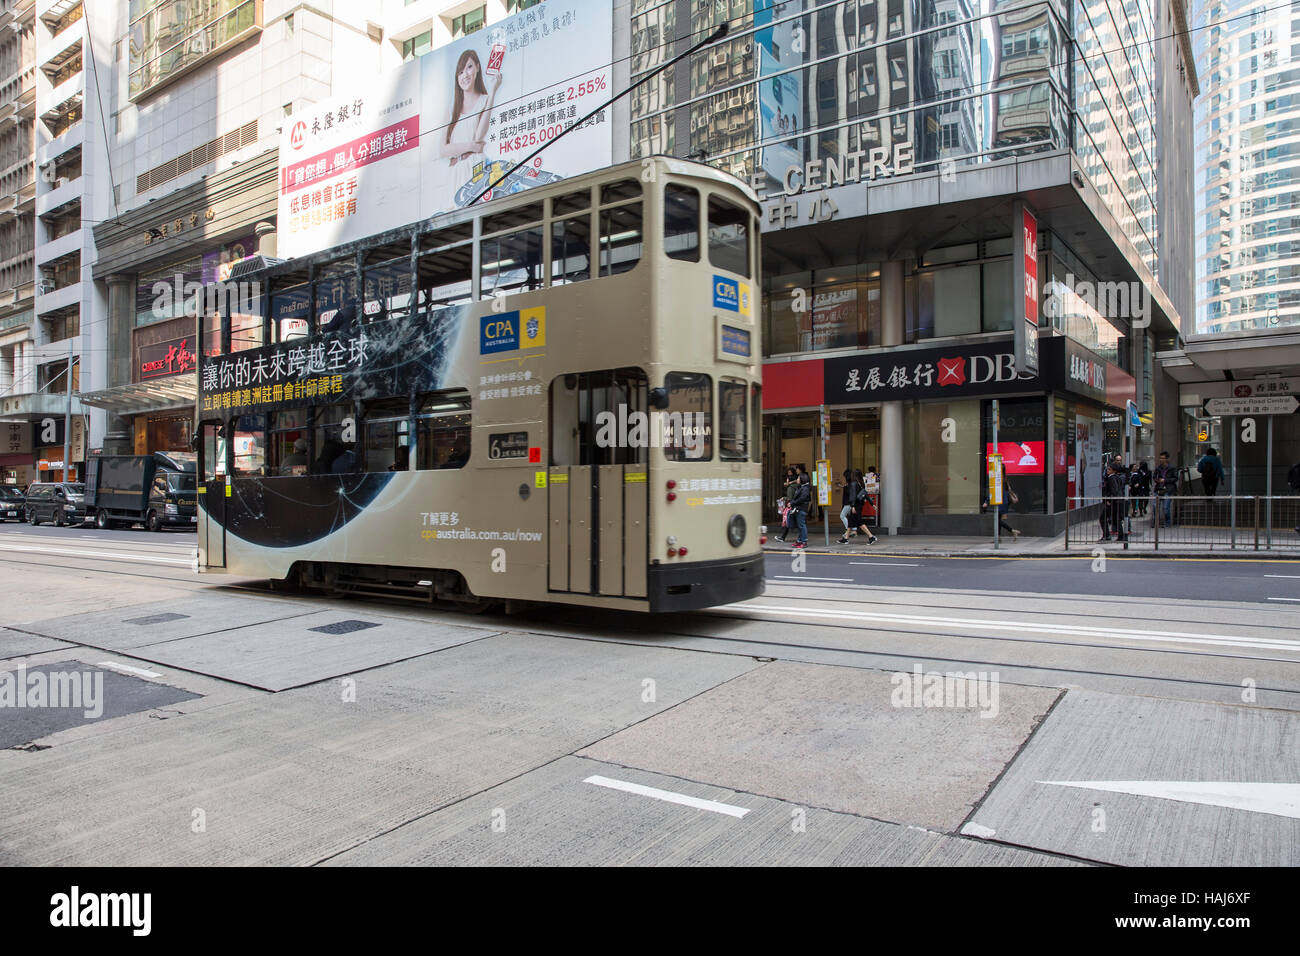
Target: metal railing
<point>1186,522</point>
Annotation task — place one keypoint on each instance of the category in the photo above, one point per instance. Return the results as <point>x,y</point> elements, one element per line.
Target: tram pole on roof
<point>714,37</point>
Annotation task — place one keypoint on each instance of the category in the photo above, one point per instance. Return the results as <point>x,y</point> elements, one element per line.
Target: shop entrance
<point>793,438</point>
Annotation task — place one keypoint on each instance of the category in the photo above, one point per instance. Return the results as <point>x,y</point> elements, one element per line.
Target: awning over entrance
<point>174,391</point>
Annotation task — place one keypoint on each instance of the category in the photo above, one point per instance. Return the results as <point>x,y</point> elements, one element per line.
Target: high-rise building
<point>893,144</point>
<point>1247,166</point>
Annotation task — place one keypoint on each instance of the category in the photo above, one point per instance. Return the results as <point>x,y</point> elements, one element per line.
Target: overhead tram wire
<point>712,38</point>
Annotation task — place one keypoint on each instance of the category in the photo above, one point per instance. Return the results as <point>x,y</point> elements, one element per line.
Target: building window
<point>514,6</point>
<point>468,23</point>
<point>417,45</point>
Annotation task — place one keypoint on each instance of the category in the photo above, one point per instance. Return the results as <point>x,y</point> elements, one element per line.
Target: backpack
<point>1205,466</point>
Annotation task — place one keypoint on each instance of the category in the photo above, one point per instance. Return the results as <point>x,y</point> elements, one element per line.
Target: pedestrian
<point>787,510</point>
<point>1140,488</point>
<point>800,503</point>
<point>1009,498</point>
<point>295,463</point>
<point>863,505</point>
<point>1211,468</point>
<point>848,500</point>
<point>1115,500</point>
<point>1166,483</point>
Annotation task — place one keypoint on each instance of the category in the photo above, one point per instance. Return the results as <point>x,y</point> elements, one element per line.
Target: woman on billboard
<point>471,109</point>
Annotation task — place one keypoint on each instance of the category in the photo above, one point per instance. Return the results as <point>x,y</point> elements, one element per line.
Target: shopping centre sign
<point>812,189</point>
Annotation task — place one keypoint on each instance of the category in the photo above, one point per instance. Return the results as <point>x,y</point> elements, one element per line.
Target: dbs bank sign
<point>982,368</point>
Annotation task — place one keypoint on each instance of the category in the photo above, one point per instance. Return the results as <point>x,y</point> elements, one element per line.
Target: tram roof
<point>400,236</point>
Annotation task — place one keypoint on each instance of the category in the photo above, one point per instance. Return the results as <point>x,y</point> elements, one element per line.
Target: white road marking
<point>884,564</point>
<point>668,796</point>
<point>82,553</point>
<point>1282,575</point>
<point>978,830</point>
<point>804,577</point>
<point>127,668</point>
<point>1278,799</point>
<point>1284,599</point>
<point>1175,637</point>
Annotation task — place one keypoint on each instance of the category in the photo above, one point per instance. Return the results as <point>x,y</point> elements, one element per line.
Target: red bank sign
<point>1030,226</point>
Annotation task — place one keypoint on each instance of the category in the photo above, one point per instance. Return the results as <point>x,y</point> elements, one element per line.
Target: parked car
<point>13,503</point>
<point>59,502</point>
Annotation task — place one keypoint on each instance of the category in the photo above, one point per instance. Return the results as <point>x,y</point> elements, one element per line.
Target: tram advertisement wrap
<point>429,136</point>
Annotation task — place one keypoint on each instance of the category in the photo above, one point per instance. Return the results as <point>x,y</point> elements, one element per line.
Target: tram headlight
<point>736,531</point>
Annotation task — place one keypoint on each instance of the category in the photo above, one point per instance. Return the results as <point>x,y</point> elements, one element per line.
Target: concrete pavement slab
<point>307,648</point>
<point>1152,746</point>
<point>17,644</point>
<point>553,816</point>
<point>296,777</point>
<point>831,737</point>
<point>140,625</point>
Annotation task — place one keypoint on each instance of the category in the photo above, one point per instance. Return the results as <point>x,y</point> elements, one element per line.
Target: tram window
<point>445,277</point>
<point>682,222</point>
<point>728,236</point>
<point>756,421</point>
<point>286,443</point>
<point>512,218</point>
<point>620,238</point>
<point>388,291</point>
<point>447,236</point>
<point>335,434</point>
<point>245,327</point>
<point>386,435</point>
<point>573,202</point>
<point>250,445</point>
<point>617,192</point>
<point>733,420</point>
<point>512,261</point>
<point>214,451</point>
<point>688,426</point>
<point>443,430</point>
<point>289,312</point>
<point>336,296</point>
<point>589,411</point>
<point>570,250</point>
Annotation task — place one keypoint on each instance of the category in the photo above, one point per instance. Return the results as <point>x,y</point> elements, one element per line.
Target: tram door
<point>598,483</point>
<point>213,485</point>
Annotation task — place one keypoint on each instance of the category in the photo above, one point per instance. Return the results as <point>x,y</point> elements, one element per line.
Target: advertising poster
<point>1087,457</point>
<point>1020,458</point>
<point>493,97</point>
<point>424,138</point>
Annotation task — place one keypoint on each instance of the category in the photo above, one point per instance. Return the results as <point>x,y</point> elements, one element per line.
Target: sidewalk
<point>966,546</point>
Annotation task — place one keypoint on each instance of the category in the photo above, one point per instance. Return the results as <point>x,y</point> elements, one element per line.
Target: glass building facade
<point>956,82</point>
<point>1247,166</point>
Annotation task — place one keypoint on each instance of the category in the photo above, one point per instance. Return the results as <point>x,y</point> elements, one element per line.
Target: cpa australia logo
<point>531,328</point>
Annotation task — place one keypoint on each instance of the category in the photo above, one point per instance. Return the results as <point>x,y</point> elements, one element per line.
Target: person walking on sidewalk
<point>1009,498</point>
<point>800,504</point>
<point>848,500</point>
<point>1115,500</point>
<point>1166,482</point>
<point>1211,468</point>
<point>864,505</point>
<point>791,483</point>
<point>1139,488</point>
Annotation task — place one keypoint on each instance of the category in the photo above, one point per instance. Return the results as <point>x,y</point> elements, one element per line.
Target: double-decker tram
<point>549,397</point>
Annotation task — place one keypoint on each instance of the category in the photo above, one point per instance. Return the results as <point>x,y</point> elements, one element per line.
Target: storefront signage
<point>174,227</point>
<point>167,358</point>
<point>1085,371</point>
<point>858,166</point>
<point>1025,270</point>
<point>980,368</point>
<point>16,438</point>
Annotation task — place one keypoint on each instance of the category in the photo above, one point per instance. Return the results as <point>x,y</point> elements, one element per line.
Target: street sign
<point>1203,434</point>
<point>1255,405</point>
<point>1134,418</point>
<point>995,480</point>
<point>823,482</point>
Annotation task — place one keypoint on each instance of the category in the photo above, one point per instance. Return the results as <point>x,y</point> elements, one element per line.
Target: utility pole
<point>67,421</point>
